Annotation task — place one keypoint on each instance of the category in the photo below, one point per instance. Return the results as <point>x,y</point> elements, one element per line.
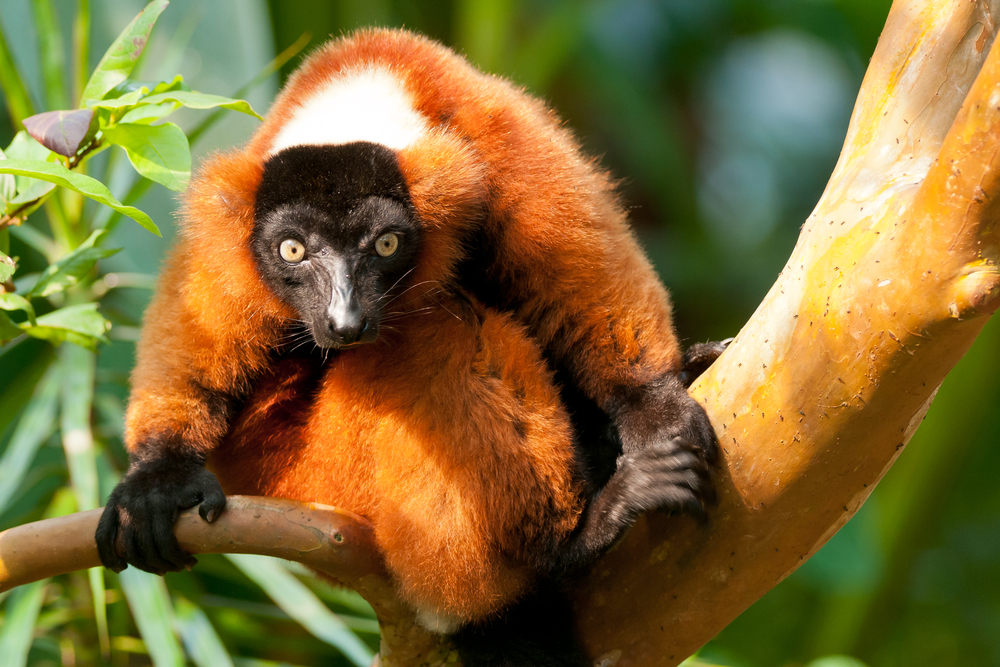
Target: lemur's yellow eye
<point>292,251</point>
<point>387,244</point>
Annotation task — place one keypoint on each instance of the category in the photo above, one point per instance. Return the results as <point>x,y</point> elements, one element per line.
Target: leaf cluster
<point>61,411</point>
<point>52,152</point>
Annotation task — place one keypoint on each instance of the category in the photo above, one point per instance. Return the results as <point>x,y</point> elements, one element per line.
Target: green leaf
<point>121,57</point>
<point>342,597</point>
<point>836,661</point>
<point>80,324</point>
<point>89,187</point>
<point>261,662</point>
<point>150,87</point>
<point>78,368</point>
<point>158,152</point>
<point>176,83</point>
<point>33,428</point>
<point>137,190</point>
<point>17,631</point>
<point>147,113</point>
<point>150,604</point>
<point>292,596</point>
<point>17,302</point>
<point>81,47</point>
<point>8,330</point>
<point>62,132</point>
<point>15,93</point>
<point>552,42</point>
<point>199,637</point>
<point>22,367</point>
<point>98,593</point>
<point>695,661</point>
<point>128,99</point>
<point>131,96</point>
<point>30,199</point>
<point>484,31</point>
<point>62,504</point>
<point>24,147</point>
<point>111,413</point>
<point>8,186</point>
<point>7,267</point>
<point>52,56</point>
<point>35,239</point>
<point>69,269</point>
<point>195,100</point>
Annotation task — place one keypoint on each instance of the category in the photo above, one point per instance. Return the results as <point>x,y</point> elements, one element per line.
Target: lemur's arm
<point>554,248</point>
<point>206,334</point>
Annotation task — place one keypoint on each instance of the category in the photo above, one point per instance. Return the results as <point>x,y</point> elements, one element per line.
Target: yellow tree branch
<point>892,278</point>
<point>888,286</point>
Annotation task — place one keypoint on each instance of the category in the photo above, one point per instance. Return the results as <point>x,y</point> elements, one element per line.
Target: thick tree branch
<point>889,284</point>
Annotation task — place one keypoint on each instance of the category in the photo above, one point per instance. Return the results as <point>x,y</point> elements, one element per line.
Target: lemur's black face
<point>334,233</point>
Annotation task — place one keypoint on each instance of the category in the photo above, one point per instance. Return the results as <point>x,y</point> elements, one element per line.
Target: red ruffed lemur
<point>413,297</point>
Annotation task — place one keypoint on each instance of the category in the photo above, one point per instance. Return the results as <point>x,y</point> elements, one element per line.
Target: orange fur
<point>459,453</point>
<point>449,434</point>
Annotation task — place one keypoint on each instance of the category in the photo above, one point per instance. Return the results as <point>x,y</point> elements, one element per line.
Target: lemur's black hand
<point>669,447</point>
<point>663,411</point>
<point>142,510</point>
<point>671,475</point>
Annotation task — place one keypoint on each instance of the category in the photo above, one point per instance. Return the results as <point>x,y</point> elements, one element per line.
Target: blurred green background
<point>723,119</point>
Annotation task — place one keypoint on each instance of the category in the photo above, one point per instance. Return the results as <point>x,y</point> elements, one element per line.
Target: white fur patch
<point>438,622</point>
<point>365,105</point>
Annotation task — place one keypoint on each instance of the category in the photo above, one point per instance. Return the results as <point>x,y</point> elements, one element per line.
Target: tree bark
<point>890,282</point>
<point>894,275</point>
<point>330,540</point>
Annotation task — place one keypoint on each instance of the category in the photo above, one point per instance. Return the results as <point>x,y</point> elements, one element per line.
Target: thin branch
<point>333,541</point>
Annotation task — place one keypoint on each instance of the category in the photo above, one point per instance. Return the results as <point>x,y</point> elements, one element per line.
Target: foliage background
<point>723,118</point>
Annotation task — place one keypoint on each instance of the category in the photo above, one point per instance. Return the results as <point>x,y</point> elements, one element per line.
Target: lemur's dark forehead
<point>332,178</point>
